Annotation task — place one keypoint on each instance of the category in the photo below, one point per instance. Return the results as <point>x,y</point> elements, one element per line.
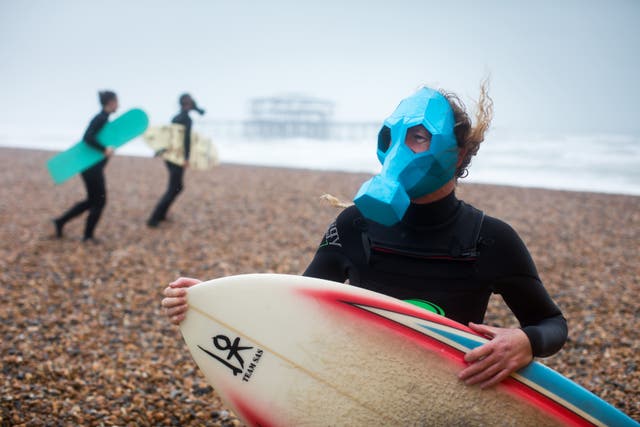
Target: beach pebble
<point>84,338</point>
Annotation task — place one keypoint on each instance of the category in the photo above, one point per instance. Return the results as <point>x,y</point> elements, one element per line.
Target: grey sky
<point>556,66</point>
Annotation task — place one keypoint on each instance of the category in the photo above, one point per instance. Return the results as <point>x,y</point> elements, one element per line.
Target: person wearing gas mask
<point>176,172</point>
<point>408,236</point>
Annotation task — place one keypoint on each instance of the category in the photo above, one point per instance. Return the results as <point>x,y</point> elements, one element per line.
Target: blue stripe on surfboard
<point>558,385</point>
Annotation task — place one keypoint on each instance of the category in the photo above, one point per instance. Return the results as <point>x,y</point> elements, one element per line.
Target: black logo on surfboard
<point>233,359</point>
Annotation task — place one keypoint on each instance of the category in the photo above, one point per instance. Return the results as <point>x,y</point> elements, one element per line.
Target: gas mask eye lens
<point>418,139</point>
<point>384,139</point>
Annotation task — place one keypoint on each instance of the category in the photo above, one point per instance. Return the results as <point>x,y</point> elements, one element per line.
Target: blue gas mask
<point>407,175</point>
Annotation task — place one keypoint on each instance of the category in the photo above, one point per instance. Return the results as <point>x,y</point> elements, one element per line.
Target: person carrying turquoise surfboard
<point>176,172</point>
<point>93,177</point>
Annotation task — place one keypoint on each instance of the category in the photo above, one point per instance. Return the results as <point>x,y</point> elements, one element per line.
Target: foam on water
<point>600,163</point>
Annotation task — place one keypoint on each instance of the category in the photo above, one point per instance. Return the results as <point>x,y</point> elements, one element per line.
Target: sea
<point>606,163</point>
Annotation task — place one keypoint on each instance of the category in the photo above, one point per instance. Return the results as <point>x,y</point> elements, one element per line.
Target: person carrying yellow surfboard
<point>176,172</point>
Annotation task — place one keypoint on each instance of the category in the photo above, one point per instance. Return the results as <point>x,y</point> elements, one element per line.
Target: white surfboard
<point>169,141</point>
<point>291,351</point>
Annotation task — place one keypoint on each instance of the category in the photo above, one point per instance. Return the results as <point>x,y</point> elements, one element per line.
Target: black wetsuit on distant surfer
<point>93,177</point>
<point>176,172</point>
<point>449,254</point>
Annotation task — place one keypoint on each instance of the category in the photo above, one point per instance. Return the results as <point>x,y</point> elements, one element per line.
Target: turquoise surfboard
<point>82,156</point>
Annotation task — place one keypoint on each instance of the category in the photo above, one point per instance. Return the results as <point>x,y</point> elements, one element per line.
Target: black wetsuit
<point>176,173</point>
<point>94,182</point>
<point>449,254</point>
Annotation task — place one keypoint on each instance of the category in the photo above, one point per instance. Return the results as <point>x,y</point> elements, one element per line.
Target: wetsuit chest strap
<point>456,240</point>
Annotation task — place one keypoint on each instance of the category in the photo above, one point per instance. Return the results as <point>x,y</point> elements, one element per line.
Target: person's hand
<point>186,164</point>
<point>108,151</point>
<point>175,299</point>
<point>492,362</point>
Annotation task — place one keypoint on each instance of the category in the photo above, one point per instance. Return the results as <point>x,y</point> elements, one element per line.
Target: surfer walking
<point>93,177</point>
<point>408,236</point>
<point>176,172</point>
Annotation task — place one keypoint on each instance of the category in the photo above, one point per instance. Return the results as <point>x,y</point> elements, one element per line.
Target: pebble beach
<point>84,338</point>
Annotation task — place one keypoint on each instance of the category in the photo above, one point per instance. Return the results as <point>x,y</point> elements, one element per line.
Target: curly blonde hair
<point>469,136</point>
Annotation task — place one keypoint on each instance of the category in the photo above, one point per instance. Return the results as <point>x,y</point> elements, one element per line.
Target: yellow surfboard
<point>168,142</point>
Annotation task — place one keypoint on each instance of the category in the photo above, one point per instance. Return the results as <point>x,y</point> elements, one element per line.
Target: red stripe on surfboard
<point>248,412</point>
<point>548,405</point>
<point>345,301</point>
<point>335,296</point>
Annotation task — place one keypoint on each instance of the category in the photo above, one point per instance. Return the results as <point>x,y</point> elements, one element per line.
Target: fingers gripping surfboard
<point>292,350</point>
